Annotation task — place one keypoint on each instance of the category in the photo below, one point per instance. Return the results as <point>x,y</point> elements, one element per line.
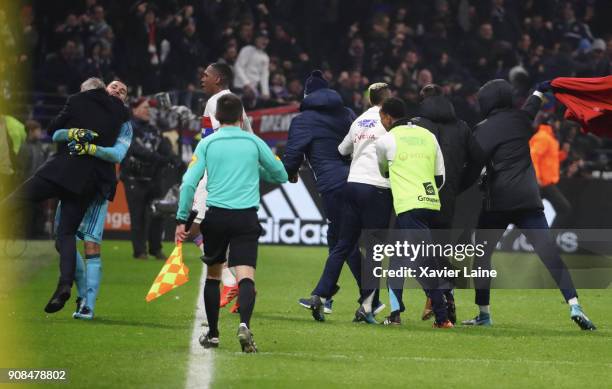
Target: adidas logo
<point>289,215</point>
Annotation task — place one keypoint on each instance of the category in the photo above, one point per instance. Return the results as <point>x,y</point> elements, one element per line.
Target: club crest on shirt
<point>367,123</point>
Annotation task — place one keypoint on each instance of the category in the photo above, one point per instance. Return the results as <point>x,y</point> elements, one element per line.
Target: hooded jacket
<point>502,146</point>
<point>316,133</point>
<point>94,110</point>
<point>454,137</point>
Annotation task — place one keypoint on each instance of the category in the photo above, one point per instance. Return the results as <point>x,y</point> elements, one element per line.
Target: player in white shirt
<point>367,202</point>
<point>215,82</point>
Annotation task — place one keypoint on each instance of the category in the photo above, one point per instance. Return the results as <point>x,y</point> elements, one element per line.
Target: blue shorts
<point>92,225</point>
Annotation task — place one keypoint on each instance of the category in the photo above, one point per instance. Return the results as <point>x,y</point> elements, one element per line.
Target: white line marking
<point>200,371</point>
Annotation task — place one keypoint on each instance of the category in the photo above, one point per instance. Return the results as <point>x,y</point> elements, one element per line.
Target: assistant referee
<point>234,161</point>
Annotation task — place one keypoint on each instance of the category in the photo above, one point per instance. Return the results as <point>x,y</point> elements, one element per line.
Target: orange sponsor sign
<point>118,215</point>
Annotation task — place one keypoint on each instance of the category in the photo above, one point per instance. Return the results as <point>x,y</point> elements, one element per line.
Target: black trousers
<point>333,206</point>
<point>36,190</point>
<point>491,226</point>
<point>364,207</point>
<point>145,228</point>
<point>418,221</point>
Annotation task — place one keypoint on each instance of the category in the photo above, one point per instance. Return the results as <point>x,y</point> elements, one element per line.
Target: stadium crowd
<point>163,46</point>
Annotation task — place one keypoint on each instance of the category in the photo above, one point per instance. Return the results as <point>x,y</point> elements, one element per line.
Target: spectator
<point>252,68</point>
<point>31,156</point>
<point>12,137</point>
<point>505,22</point>
<point>295,89</point>
<point>144,43</point>
<point>100,61</point>
<point>352,87</point>
<point>354,58</point>
<point>283,45</point>
<point>595,63</point>
<point>34,152</point>
<point>572,30</point>
<point>229,55</point>
<point>278,89</point>
<point>424,78</point>
<point>140,173</point>
<point>186,54</point>
<point>28,37</point>
<point>62,72</point>
<point>246,33</point>
<point>98,27</point>
<point>540,31</point>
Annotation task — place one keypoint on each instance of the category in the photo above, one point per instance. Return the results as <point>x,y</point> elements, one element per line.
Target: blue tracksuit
<point>315,134</point>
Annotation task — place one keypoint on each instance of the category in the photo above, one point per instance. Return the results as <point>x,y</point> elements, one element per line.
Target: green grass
<point>131,343</point>
<point>134,344</point>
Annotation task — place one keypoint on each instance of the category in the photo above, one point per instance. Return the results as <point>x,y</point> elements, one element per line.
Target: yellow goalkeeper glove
<point>81,135</point>
<point>76,148</point>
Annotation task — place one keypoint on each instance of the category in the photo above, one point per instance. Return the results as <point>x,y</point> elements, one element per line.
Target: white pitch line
<point>200,370</point>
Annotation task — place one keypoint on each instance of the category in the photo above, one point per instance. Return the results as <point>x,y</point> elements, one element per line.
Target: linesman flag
<point>174,274</point>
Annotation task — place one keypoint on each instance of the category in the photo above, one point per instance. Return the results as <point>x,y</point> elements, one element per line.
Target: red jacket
<point>588,102</point>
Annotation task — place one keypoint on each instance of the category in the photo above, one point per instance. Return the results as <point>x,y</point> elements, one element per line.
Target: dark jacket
<point>94,110</point>
<point>454,137</point>
<point>316,133</point>
<point>502,145</point>
<point>149,153</point>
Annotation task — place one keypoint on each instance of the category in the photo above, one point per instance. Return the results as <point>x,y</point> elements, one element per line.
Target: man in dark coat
<point>437,114</point>
<point>74,180</point>
<point>315,134</point>
<point>512,195</point>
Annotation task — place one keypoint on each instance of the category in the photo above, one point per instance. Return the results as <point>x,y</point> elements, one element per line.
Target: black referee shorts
<point>236,229</point>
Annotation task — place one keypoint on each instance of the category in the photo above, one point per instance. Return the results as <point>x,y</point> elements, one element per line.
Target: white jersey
<point>210,122</point>
<point>361,143</point>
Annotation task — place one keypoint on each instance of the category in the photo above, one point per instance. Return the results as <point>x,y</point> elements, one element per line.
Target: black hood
<point>437,109</point>
<point>495,94</point>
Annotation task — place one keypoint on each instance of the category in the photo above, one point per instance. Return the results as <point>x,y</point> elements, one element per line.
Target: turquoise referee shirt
<point>234,160</point>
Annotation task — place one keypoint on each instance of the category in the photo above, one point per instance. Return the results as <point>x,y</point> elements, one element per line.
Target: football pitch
<point>134,344</point>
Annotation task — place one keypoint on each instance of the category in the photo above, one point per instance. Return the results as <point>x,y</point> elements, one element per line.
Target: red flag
<point>588,102</point>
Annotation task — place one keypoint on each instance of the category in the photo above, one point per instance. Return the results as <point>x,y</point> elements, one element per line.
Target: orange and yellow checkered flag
<point>174,274</point>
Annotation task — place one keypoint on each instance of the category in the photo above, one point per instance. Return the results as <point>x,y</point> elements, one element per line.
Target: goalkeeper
<point>80,142</point>
<point>74,181</point>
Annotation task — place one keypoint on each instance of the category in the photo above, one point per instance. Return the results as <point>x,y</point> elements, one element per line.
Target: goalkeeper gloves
<point>76,148</point>
<point>81,135</point>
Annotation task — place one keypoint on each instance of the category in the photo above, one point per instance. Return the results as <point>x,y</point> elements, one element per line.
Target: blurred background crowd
<point>163,45</point>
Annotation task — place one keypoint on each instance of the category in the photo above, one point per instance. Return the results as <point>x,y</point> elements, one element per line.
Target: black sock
<point>212,296</point>
<point>246,300</point>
